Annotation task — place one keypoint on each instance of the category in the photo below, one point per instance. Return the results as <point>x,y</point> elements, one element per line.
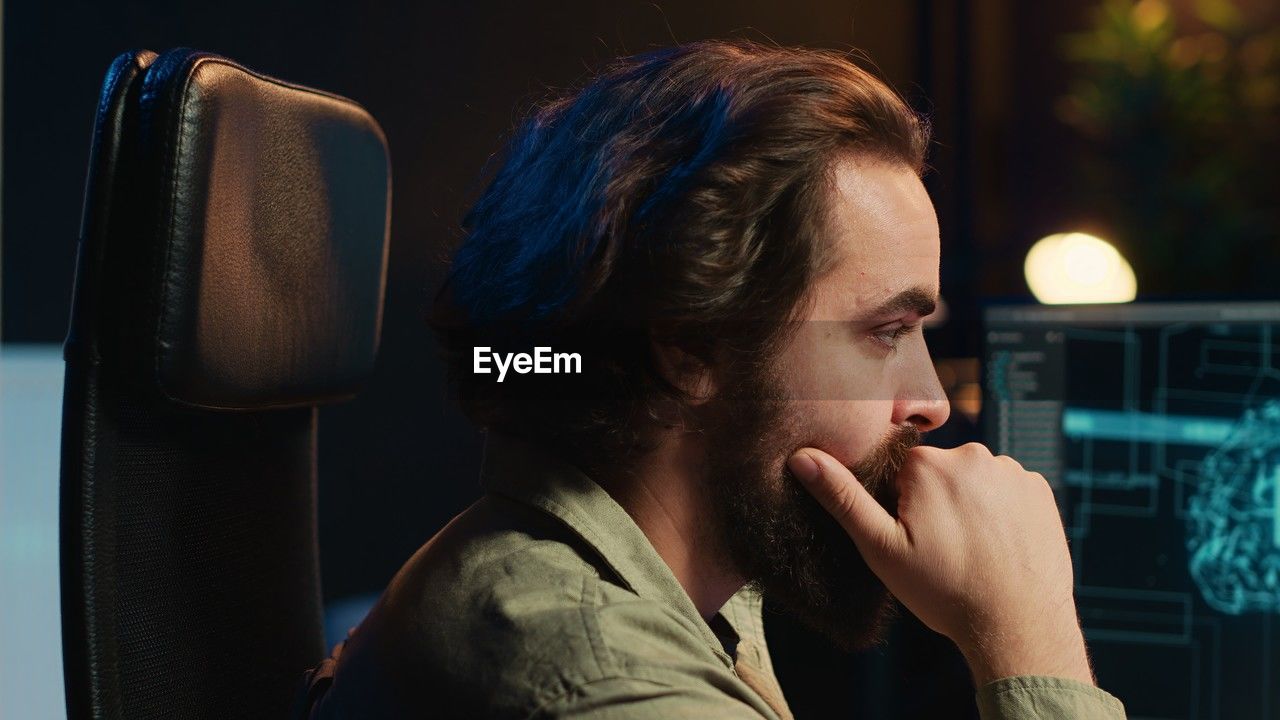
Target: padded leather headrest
<point>272,209</point>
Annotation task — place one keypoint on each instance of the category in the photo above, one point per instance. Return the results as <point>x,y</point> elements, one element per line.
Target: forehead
<point>884,235</point>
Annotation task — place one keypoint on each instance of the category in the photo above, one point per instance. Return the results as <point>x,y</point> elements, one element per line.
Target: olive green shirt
<point>546,600</point>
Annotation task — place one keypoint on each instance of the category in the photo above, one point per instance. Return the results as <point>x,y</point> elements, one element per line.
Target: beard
<point>775,533</point>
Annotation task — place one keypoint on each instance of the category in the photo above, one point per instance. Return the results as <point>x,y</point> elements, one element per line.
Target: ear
<point>684,369</point>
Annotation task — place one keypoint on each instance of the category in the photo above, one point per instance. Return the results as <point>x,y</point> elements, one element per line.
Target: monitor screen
<point>1158,426</point>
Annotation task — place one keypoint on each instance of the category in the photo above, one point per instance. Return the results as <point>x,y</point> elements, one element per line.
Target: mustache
<point>877,470</point>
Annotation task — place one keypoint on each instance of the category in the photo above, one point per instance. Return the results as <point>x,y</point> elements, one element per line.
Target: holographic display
<point>1158,426</point>
<point>1233,518</point>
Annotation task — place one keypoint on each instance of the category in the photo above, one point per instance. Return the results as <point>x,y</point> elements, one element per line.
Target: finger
<point>872,528</point>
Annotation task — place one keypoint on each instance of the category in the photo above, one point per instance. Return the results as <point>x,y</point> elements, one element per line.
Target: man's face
<point>855,381</point>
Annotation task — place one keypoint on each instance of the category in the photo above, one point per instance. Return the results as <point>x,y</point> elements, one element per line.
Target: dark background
<point>447,81</point>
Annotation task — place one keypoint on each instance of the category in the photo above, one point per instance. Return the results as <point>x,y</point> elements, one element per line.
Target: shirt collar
<point>525,472</point>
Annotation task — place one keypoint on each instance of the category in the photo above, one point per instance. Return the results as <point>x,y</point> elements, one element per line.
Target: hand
<point>977,552</point>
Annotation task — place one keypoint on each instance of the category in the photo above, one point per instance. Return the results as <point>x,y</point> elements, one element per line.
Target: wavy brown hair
<point>679,197</point>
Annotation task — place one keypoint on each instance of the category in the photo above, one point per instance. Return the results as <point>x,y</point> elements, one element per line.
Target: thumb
<point>872,528</point>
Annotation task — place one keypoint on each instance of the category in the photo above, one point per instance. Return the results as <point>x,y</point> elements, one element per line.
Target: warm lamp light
<point>1069,268</point>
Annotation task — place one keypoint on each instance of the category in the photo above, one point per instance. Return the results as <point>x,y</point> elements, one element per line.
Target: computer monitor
<point>1158,426</point>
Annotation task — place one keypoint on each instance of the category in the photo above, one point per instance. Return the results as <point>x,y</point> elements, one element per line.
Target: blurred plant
<point>1180,107</point>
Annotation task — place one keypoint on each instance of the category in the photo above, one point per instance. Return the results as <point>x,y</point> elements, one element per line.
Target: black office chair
<point>230,277</point>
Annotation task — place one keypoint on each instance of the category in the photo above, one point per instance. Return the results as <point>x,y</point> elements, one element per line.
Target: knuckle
<point>1008,460</point>
<point>843,499</point>
<point>1040,487</point>
<point>927,454</point>
<point>976,449</point>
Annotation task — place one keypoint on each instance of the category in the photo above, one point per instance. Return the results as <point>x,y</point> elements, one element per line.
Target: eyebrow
<point>916,299</point>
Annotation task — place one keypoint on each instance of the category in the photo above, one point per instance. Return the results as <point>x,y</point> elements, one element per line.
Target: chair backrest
<point>229,278</point>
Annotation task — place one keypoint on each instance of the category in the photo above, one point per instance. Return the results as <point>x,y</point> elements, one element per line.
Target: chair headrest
<point>272,214</point>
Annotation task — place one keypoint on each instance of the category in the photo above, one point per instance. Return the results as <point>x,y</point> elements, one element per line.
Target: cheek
<point>835,391</point>
<point>826,362</point>
<point>846,429</point>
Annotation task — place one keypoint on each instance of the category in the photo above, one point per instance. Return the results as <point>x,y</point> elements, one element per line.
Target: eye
<point>890,336</point>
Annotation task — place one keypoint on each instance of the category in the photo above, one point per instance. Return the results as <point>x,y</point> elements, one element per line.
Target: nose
<point>921,400</point>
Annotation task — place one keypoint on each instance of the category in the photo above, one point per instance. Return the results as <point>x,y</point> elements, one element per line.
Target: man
<point>734,241</point>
